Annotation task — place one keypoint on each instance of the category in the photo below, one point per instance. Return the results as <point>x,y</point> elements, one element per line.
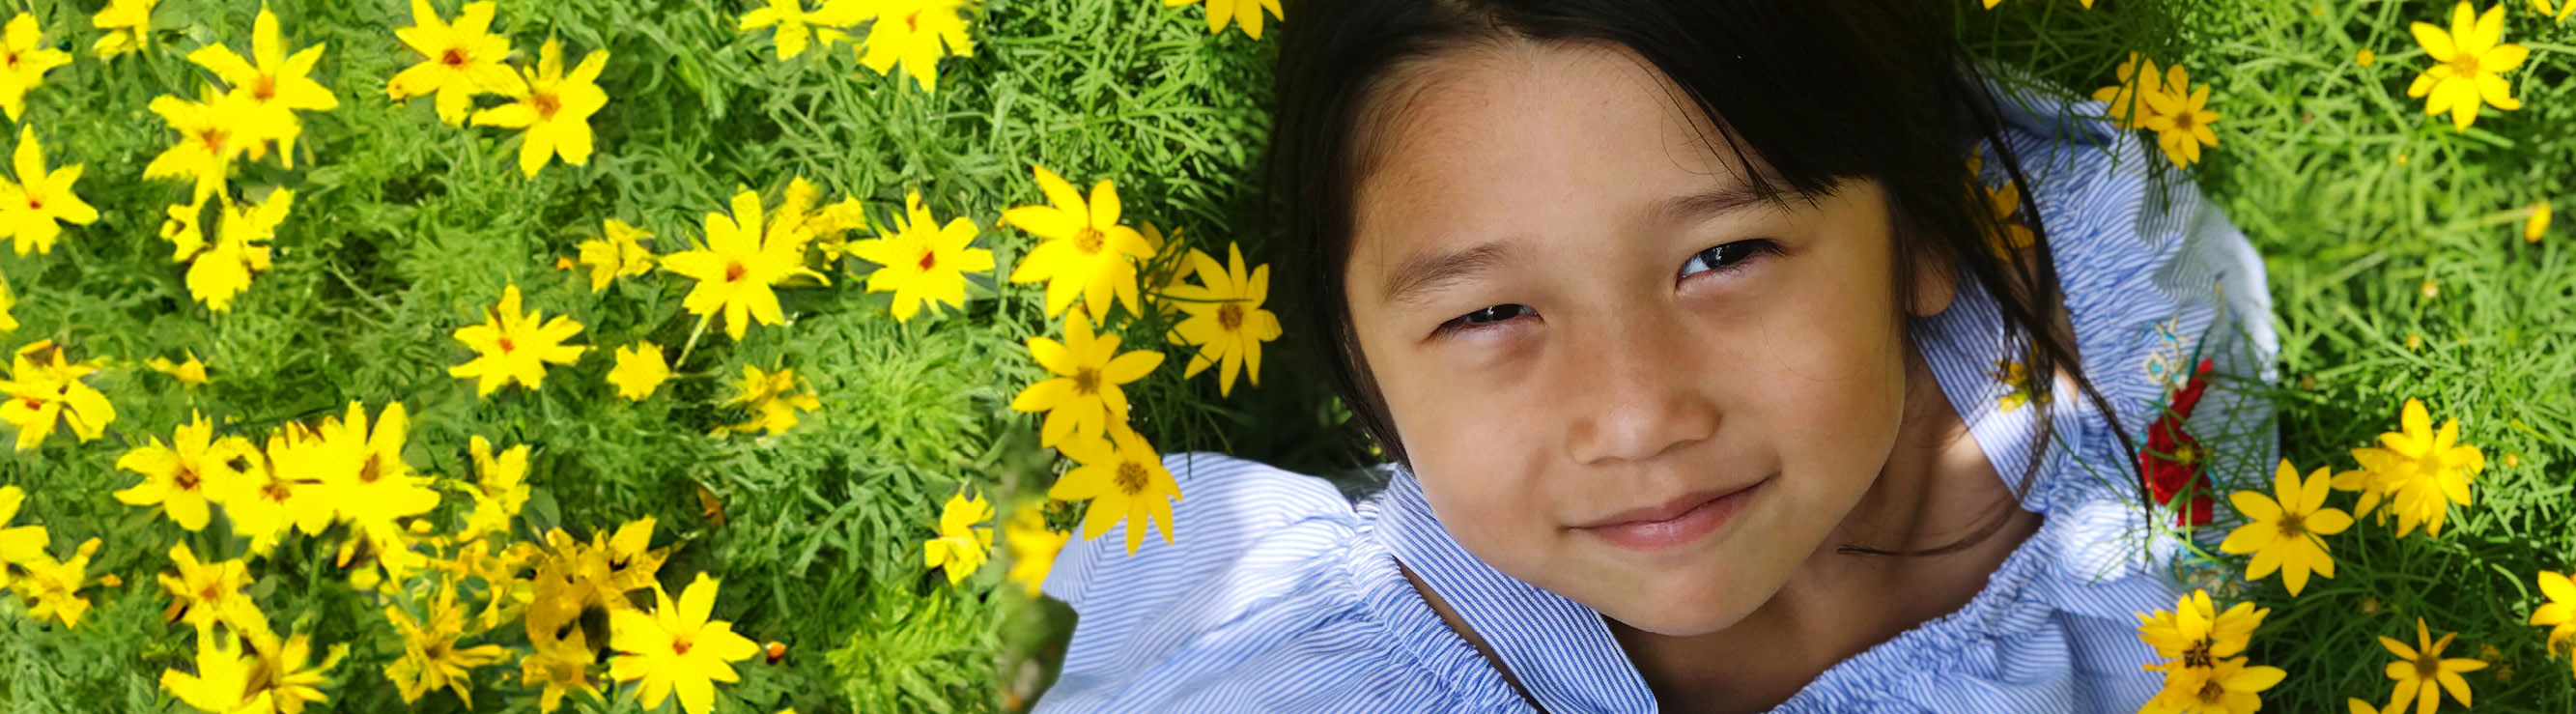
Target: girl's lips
<point>1692,523</point>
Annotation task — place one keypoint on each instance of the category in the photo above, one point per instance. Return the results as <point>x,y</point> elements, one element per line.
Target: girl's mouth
<point>1679,521</point>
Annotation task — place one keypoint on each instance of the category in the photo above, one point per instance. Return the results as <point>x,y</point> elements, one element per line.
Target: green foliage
<point>405,229</point>
<point>2398,269</point>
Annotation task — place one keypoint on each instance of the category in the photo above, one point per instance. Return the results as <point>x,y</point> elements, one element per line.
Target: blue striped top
<point>1281,595</point>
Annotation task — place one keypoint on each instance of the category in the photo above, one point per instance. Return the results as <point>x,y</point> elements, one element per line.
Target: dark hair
<point>1818,91</point>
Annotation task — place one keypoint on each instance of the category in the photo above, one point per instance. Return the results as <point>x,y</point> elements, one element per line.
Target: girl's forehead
<point>1495,136</point>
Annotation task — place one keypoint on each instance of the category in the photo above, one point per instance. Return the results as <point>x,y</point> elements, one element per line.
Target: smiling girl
<point>1698,348</point>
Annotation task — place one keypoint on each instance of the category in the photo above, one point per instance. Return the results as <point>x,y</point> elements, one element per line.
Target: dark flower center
<point>2197,656</point>
<point>2293,525</point>
<point>1131,478</point>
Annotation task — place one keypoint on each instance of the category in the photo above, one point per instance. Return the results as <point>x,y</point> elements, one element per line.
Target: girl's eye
<point>1725,257</point>
<point>1491,315</point>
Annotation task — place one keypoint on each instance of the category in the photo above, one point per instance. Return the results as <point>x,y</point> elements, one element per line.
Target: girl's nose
<point>1636,395</point>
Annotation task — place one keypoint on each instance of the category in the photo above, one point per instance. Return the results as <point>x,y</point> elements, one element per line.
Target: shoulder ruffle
<point>2155,279</point>
<point>1269,599</point>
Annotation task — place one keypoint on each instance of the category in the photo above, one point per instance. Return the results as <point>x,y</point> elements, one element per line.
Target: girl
<point>1700,354</point>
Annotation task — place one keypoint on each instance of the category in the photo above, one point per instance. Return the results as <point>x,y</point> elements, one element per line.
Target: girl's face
<point>1618,377</point>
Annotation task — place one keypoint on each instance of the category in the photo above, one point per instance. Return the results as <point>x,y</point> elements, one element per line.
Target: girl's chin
<point>1680,622</point>
<point>1678,615</point>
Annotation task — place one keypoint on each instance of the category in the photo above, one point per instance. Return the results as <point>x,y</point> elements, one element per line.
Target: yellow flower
<point>558,667</point>
<point>432,659</point>
<point>1033,547</point>
<point>1181,261</point>
<point>2002,202</point>
<point>281,675</point>
<point>2559,614</point>
<point>1124,479</point>
<point>129,26</point>
<point>798,28</point>
<point>2182,122</point>
<point>739,265</point>
<point>2415,469</point>
<point>1085,253</point>
<point>25,57</point>
<point>2012,374</point>
<point>2419,668</point>
<point>360,474</point>
<point>553,107</point>
<point>222,681</point>
<point>570,578</point>
<point>274,89</point>
<point>639,371</point>
<point>2470,58</point>
<point>921,261</point>
<point>498,562</point>
<point>1226,321</point>
<point>269,502</point>
<point>617,253</point>
<point>500,489</point>
<point>45,385</point>
<point>31,207</point>
<point>211,133</point>
<point>18,544</point>
<point>190,374</point>
<point>273,676</point>
<point>511,347</point>
<point>2132,101</point>
<point>2565,7</point>
<point>2538,223</point>
<point>2365,57</point>
<point>766,397</point>
<point>222,269</point>
<point>631,561</point>
<point>914,32</point>
<point>796,218</point>
<point>1247,13</point>
<point>55,585</point>
<point>459,60</point>
<point>962,546</point>
<point>1084,397</point>
<point>8,301</point>
<point>677,647</point>
<point>2287,533</point>
<point>2230,688</point>
<point>189,475</point>
<point>205,594</point>
<point>2194,637</point>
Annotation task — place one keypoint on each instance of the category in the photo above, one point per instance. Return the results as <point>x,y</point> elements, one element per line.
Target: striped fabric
<point>1282,596</point>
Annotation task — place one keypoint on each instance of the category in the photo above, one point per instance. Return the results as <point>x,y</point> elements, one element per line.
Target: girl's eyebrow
<point>1711,203</point>
<point>1419,275</point>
